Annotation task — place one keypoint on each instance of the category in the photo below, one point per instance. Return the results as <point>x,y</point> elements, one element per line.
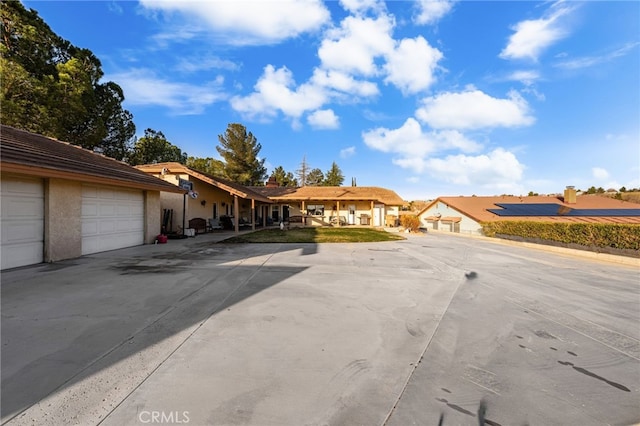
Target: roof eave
<point>46,172</point>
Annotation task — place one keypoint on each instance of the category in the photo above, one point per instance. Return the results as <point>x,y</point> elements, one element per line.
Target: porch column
<point>253,214</point>
<point>236,214</point>
<point>264,215</point>
<point>371,222</point>
<point>338,211</point>
<point>304,215</point>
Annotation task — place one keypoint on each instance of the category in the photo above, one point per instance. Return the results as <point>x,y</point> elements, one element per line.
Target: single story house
<point>60,201</point>
<point>466,214</point>
<point>334,205</point>
<point>208,197</point>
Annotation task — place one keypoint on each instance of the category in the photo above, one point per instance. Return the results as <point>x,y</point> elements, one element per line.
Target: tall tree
<point>240,150</point>
<point>207,165</point>
<point>315,177</point>
<point>154,147</point>
<point>303,172</point>
<point>334,176</point>
<point>51,87</point>
<point>284,178</point>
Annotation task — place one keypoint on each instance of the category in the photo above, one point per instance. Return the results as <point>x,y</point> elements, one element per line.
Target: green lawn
<point>316,235</point>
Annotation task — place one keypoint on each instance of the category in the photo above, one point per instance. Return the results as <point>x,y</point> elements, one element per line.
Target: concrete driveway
<point>396,333</point>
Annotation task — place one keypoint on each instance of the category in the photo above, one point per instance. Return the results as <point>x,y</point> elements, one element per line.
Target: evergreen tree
<point>207,165</point>
<point>334,176</point>
<point>315,178</point>
<point>52,88</point>
<point>284,178</point>
<point>153,147</point>
<point>240,150</point>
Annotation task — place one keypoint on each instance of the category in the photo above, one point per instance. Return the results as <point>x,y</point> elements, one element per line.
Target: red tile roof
<point>28,153</point>
<point>477,208</point>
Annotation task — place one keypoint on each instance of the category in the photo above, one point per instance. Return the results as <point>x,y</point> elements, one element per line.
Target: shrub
<point>410,222</point>
<point>619,236</point>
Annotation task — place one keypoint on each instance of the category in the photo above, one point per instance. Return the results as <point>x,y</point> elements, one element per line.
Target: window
<point>275,213</point>
<point>315,210</point>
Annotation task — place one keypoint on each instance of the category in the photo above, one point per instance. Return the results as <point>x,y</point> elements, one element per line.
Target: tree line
<point>51,87</point>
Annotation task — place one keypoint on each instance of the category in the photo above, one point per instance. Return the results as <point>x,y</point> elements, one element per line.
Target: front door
<point>352,214</point>
<point>377,214</point>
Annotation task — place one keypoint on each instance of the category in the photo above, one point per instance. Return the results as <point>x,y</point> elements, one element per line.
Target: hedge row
<point>618,236</point>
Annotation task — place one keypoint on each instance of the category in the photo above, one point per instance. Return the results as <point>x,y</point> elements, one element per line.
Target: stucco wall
<point>467,224</point>
<point>152,216</point>
<point>62,221</point>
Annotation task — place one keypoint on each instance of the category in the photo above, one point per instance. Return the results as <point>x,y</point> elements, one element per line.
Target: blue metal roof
<point>551,209</point>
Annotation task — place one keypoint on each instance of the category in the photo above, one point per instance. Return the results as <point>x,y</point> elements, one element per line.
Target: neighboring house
<point>210,198</point>
<point>466,214</point>
<point>325,205</point>
<point>60,201</point>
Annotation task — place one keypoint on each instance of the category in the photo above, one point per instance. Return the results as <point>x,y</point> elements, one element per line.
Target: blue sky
<point>428,98</point>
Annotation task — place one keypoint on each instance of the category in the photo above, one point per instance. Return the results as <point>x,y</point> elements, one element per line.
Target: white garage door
<point>22,222</point>
<point>112,218</point>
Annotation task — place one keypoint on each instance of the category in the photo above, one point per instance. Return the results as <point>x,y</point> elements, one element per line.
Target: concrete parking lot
<point>396,333</point>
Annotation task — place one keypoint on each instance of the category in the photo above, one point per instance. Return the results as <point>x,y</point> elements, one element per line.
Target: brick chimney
<point>570,195</point>
<point>272,182</point>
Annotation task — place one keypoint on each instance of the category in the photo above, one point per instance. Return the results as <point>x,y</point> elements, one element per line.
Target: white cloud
<point>353,47</point>
<point>473,109</point>
<point>412,145</point>
<point>590,61</point>
<point>412,64</point>
<point>324,119</point>
<point>526,77</point>
<point>533,36</point>
<point>250,22</point>
<point>431,11</point>
<point>273,93</point>
<point>342,82</point>
<point>408,140</point>
<point>205,63</point>
<point>599,173</point>
<point>348,152</point>
<point>499,169</point>
<point>360,6</point>
<point>143,87</point>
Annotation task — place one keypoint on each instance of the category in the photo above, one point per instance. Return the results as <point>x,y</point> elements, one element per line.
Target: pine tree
<point>240,150</point>
<point>334,176</point>
<point>315,178</point>
<point>284,178</point>
<point>154,147</point>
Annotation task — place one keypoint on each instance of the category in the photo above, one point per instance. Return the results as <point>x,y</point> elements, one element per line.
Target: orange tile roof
<point>31,154</point>
<point>477,208</point>
<point>333,193</point>
<point>232,187</point>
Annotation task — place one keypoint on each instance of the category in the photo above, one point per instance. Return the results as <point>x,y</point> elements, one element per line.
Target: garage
<point>112,218</point>
<point>22,221</point>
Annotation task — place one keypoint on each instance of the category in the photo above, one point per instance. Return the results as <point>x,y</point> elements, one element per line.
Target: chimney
<point>272,182</point>
<point>570,195</point>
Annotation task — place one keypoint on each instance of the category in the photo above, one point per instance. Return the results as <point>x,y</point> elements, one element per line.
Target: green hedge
<point>618,236</point>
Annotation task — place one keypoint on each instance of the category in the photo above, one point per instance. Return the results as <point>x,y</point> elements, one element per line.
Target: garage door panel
<point>23,232</point>
<point>21,221</point>
<point>112,218</point>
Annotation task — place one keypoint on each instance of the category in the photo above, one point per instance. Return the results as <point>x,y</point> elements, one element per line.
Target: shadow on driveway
<point>62,322</point>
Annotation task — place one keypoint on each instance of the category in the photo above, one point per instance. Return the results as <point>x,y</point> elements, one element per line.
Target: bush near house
<point>593,235</point>
<point>410,222</point>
